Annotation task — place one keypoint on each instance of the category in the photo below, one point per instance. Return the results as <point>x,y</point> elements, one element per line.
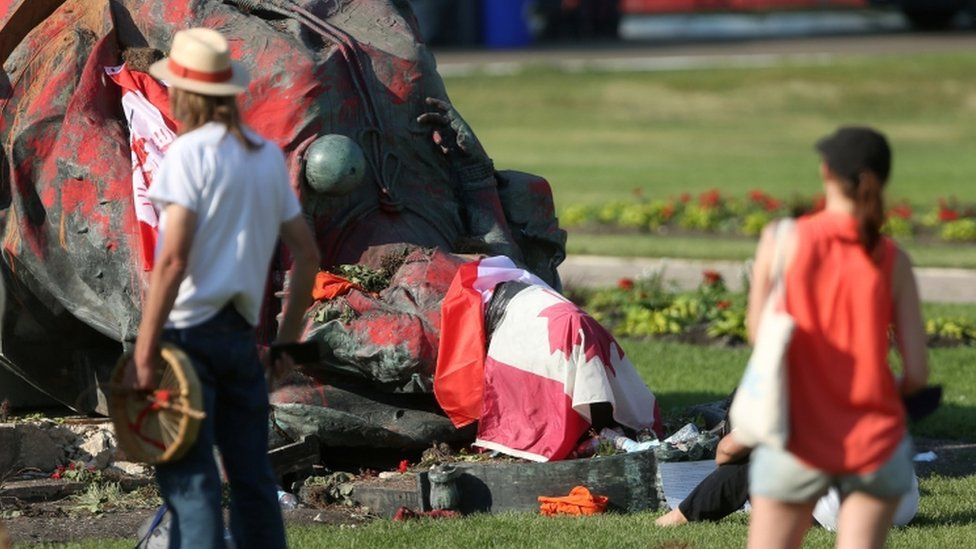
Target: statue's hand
<point>452,134</point>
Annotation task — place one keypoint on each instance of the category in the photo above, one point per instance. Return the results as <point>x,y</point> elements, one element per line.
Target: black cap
<point>851,150</point>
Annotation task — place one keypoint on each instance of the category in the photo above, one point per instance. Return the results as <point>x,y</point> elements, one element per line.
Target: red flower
<point>901,211</point>
<point>71,466</point>
<point>772,204</point>
<point>947,214</point>
<point>724,304</point>
<point>625,284</point>
<point>404,465</point>
<point>757,196</point>
<point>684,198</point>
<point>709,199</point>
<point>56,475</point>
<point>667,211</point>
<point>712,277</point>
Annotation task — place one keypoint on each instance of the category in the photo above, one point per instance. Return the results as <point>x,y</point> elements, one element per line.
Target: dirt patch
<point>65,528</point>
<point>52,523</point>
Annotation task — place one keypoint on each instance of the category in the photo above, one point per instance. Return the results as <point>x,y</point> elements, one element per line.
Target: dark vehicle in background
<point>463,22</point>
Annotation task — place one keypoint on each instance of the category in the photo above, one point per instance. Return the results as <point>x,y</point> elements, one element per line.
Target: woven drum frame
<point>157,430</point>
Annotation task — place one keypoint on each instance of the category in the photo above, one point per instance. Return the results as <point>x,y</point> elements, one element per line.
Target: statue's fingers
<point>440,104</point>
<point>433,119</point>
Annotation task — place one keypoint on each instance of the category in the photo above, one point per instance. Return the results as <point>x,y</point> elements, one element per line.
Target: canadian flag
<point>547,362</point>
<point>145,102</point>
<point>460,374</point>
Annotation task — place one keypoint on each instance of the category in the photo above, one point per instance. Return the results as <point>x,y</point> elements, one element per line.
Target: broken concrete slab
<point>45,444</point>
<point>98,450</point>
<point>50,489</point>
<point>27,446</point>
<point>383,496</point>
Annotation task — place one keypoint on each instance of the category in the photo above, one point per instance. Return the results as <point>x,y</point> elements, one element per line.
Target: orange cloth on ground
<point>846,415</point>
<point>330,286</point>
<point>579,502</point>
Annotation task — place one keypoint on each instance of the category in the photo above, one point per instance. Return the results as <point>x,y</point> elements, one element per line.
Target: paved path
<point>936,285</point>
<point>674,55</point>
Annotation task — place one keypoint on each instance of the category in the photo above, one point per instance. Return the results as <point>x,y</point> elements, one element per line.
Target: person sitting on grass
<point>726,490</point>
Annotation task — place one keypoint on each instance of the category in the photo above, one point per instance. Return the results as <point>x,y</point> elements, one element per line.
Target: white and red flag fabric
<point>459,378</point>
<point>145,102</point>
<point>547,362</point>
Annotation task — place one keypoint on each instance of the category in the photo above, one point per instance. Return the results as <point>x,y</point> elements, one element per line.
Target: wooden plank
<point>297,457</point>
<point>630,481</point>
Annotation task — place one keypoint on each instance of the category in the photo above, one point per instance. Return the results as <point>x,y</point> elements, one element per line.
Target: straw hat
<point>199,61</point>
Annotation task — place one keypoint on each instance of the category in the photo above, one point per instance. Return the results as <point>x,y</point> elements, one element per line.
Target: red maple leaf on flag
<point>570,327</point>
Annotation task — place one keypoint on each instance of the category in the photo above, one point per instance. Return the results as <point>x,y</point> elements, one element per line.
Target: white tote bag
<point>760,409</point>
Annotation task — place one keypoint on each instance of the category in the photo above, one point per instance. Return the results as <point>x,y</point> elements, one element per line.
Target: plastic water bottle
<point>287,501</point>
<point>626,444</point>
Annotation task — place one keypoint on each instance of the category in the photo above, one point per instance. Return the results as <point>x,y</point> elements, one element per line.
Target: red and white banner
<point>547,362</point>
<point>145,102</point>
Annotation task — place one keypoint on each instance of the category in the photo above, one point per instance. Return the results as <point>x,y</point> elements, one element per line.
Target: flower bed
<point>713,213</point>
<point>710,315</point>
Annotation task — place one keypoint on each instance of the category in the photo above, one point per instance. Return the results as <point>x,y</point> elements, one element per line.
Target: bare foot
<point>674,518</point>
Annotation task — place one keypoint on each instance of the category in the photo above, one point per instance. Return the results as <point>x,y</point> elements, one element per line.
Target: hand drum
<point>158,426</point>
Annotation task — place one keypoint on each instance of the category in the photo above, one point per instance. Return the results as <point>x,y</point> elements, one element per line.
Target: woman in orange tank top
<point>846,287</point>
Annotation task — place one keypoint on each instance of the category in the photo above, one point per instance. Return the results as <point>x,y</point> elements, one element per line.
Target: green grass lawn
<point>598,135</point>
<point>681,375</point>
<point>696,247</point>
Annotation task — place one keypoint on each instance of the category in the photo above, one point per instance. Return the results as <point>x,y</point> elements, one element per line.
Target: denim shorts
<point>779,475</point>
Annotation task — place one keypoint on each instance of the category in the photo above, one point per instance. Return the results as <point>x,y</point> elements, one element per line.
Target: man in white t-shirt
<point>225,200</point>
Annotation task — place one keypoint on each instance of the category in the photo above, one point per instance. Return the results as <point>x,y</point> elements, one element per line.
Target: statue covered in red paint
<point>328,76</point>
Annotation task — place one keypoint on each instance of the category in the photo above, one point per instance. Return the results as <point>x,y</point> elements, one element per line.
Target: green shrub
<point>700,218</point>
<point>730,323</point>
<point>755,222</point>
<point>634,216</point>
<point>959,330</point>
<point>609,213</point>
<point>962,230</point>
<point>577,216</point>
<point>898,227</point>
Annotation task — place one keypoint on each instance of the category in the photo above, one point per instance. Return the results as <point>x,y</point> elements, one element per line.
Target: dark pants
<point>719,495</point>
<point>224,354</point>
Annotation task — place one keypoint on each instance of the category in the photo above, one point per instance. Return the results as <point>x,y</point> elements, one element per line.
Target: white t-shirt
<point>241,198</point>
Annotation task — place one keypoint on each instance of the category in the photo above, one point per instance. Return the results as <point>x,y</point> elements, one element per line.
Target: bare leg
<point>778,525</point>
<point>674,518</point>
<point>864,521</point>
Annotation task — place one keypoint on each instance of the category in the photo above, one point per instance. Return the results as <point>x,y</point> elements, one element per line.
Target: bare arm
<point>761,282</point>
<point>761,285</point>
<point>909,328</point>
<point>164,284</point>
<point>731,450</point>
<point>305,254</point>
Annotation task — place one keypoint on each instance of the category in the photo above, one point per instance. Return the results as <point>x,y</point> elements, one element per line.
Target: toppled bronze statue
<point>382,161</point>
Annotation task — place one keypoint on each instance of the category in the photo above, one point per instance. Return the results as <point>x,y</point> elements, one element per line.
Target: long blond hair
<point>193,110</point>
